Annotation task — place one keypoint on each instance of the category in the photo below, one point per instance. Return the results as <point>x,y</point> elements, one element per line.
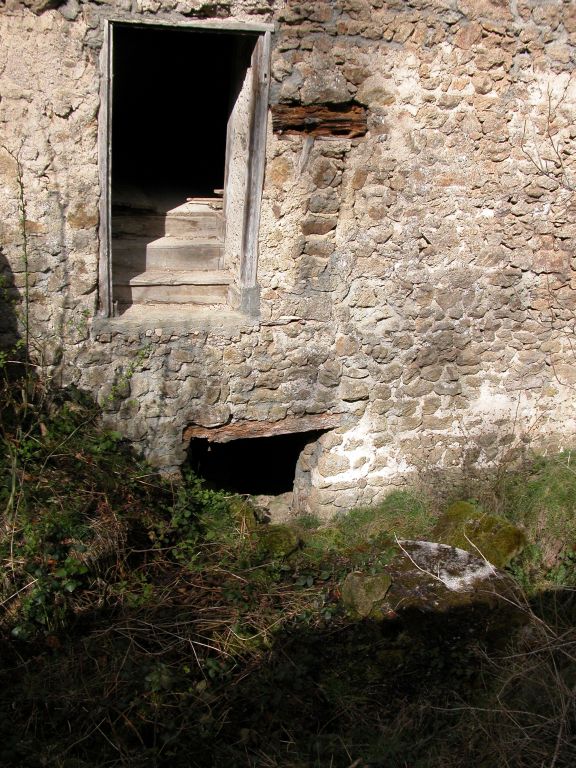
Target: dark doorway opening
<point>173,91</point>
<point>255,466</point>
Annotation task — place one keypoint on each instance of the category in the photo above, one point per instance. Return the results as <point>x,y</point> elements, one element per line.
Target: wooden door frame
<point>105,174</point>
<point>248,283</point>
<point>260,66</point>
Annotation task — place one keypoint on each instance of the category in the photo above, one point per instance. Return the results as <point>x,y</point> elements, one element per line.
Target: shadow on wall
<point>9,300</point>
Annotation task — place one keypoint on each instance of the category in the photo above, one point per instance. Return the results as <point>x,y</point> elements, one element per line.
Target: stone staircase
<point>172,258</point>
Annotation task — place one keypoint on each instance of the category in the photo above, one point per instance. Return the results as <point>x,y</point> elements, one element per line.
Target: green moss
<point>307,522</point>
<point>243,512</point>
<point>491,537</point>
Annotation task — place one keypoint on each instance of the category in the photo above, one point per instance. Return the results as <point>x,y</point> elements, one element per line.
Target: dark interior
<point>258,465</point>
<point>173,90</point>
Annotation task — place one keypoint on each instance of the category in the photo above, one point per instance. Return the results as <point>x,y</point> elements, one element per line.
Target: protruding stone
<point>375,91</point>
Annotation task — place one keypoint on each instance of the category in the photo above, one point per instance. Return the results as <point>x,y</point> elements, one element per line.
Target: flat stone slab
<point>159,319</point>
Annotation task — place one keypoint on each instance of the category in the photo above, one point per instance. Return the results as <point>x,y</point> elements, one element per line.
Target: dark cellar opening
<point>255,466</point>
<point>173,92</point>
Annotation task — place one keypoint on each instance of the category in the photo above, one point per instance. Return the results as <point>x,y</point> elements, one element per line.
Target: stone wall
<point>418,281</point>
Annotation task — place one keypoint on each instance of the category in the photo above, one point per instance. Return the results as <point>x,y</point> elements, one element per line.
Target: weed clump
<point>402,513</point>
<point>540,498</point>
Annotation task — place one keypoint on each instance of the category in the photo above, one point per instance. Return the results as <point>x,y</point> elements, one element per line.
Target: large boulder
<point>428,577</point>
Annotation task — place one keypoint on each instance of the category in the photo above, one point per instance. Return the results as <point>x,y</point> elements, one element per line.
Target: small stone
<point>482,83</point>
<point>324,202</point>
<point>324,85</point>
<point>375,91</point>
<point>331,464</point>
<point>354,389</point>
<point>361,593</point>
<point>70,10</point>
<point>431,372</point>
<point>467,35</point>
<point>210,416</point>
<point>319,225</point>
<point>448,388</point>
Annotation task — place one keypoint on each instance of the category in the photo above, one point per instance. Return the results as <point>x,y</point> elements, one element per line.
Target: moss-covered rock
<point>363,594</point>
<point>278,540</point>
<point>493,538</point>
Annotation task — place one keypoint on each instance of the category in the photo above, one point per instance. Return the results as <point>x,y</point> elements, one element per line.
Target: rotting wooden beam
<point>240,430</point>
<point>335,120</point>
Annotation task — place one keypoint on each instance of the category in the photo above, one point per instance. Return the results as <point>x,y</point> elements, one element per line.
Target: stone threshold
<point>177,318</point>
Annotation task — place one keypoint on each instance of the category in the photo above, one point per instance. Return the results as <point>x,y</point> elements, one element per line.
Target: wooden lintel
<point>211,24</point>
<point>240,430</point>
<point>335,120</point>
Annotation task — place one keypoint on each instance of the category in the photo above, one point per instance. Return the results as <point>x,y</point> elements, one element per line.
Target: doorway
<point>178,121</point>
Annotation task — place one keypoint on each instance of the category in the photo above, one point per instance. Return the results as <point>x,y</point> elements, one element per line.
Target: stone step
<point>141,254</point>
<point>203,226</point>
<point>176,277</point>
<point>197,219</point>
<point>176,287</point>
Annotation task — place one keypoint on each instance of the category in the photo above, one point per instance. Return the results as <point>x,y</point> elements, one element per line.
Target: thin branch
<point>14,594</point>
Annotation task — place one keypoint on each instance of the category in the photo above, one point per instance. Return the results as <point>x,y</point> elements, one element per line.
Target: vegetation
<point>150,623</point>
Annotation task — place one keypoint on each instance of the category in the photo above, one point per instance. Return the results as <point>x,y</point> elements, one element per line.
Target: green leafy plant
<point>120,388</point>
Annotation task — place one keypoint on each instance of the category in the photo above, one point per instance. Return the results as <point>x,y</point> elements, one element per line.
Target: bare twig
<point>14,594</point>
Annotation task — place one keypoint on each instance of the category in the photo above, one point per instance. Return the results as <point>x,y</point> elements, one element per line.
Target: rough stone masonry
<point>416,261</point>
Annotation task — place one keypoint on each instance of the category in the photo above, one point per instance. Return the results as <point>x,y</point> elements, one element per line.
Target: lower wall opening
<point>255,466</point>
